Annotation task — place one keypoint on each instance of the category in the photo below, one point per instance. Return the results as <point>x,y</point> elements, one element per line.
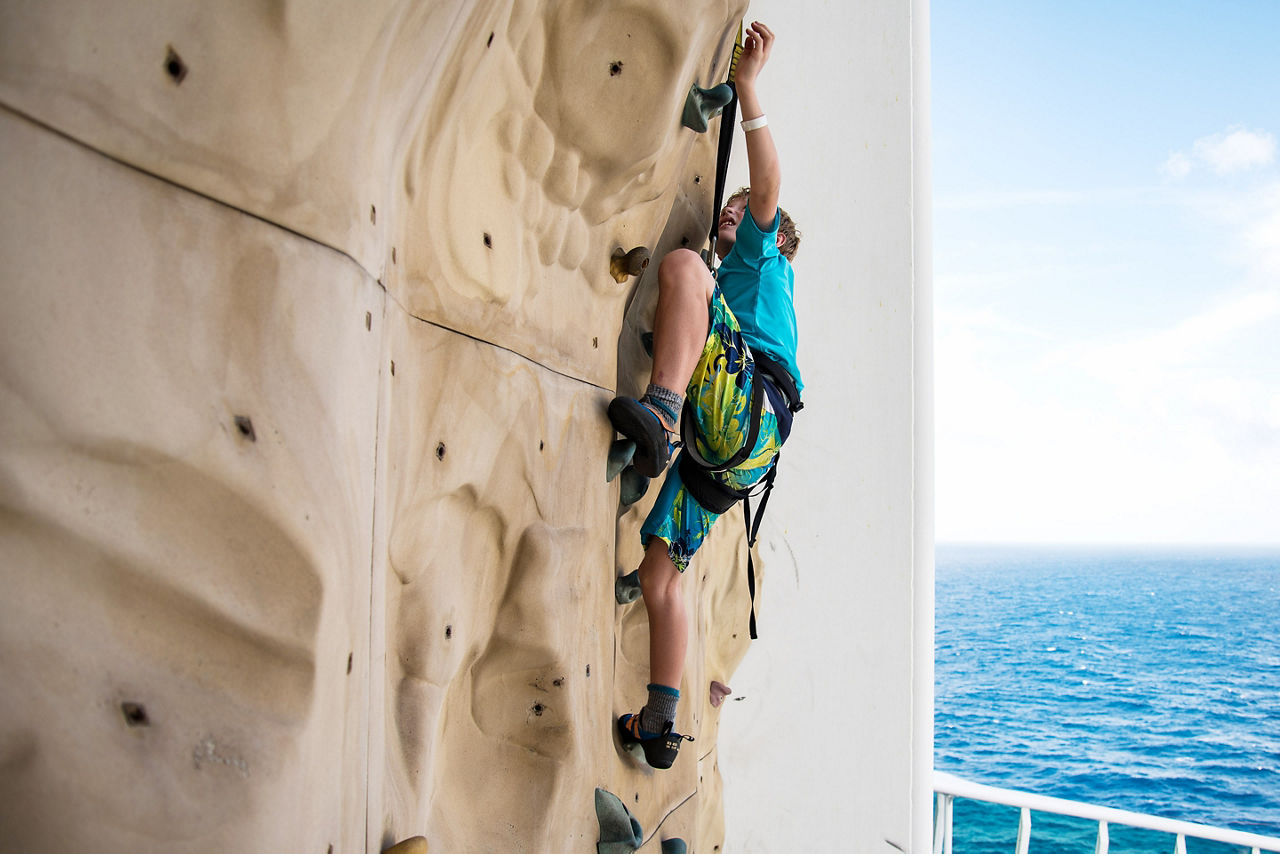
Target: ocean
<point>1138,678</point>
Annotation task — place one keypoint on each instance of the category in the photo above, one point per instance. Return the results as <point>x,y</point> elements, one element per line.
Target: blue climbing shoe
<point>658,751</point>
<point>641,425</point>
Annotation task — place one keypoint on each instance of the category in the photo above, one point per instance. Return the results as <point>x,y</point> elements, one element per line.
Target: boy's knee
<point>684,268</point>
<point>659,577</point>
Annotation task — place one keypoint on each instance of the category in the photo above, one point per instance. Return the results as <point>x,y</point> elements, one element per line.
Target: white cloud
<point>1177,166</point>
<point>1236,150</point>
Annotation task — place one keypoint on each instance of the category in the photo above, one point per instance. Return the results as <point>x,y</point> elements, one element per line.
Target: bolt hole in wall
<point>615,68</point>
<point>488,240</point>
<point>245,426</point>
<point>440,451</point>
<point>135,714</point>
<point>174,66</point>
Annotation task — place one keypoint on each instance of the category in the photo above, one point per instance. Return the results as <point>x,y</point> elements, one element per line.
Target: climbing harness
<point>697,472</point>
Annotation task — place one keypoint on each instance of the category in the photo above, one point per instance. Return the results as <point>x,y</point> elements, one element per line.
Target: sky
<point>1107,271</point>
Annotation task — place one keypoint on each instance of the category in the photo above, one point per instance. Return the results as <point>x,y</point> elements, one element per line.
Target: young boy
<point>706,329</point>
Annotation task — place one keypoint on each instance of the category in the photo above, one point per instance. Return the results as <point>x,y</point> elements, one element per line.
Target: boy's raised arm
<point>762,155</point>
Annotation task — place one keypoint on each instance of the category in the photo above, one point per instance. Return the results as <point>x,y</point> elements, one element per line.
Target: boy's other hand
<point>757,42</point>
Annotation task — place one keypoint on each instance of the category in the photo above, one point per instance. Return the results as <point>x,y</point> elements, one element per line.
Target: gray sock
<point>660,710</point>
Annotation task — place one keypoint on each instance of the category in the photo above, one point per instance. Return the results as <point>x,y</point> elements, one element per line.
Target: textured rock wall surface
<point>308,335</point>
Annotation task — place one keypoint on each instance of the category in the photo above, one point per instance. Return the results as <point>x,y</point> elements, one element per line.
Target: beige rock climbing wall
<point>189,425</point>
<point>307,339</point>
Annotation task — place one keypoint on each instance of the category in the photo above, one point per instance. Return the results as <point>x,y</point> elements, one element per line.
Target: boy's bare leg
<point>668,622</point>
<point>679,336</point>
<point>680,322</point>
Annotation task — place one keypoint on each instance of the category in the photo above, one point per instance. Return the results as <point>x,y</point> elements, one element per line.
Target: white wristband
<point>754,124</point>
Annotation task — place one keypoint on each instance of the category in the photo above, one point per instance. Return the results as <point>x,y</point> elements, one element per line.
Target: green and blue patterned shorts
<point>720,391</point>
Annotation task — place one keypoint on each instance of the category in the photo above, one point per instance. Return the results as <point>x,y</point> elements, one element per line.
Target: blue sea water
<point>1141,679</point>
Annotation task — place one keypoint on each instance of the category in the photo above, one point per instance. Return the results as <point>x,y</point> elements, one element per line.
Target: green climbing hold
<point>674,846</point>
<point>619,831</point>
<point>633,486</point>
<point>620,454</point>
<point>627,588</point>
<point>703,105</point>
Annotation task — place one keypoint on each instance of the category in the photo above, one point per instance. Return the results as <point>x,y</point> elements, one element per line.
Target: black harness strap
<point>718,498</point>
<point>728,118</point>
<point>781,379</point>
<point>752,532</point>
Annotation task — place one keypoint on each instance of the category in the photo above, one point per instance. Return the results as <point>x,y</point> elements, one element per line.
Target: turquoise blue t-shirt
<point>758,284</point>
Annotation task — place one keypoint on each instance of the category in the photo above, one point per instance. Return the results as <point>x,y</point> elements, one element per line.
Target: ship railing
<point>948,787</point>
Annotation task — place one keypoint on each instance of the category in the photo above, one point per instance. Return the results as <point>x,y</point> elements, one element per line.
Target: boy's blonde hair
<point>786,227</point>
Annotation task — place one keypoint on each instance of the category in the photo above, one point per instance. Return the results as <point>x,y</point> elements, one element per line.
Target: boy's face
<point>727,225</point>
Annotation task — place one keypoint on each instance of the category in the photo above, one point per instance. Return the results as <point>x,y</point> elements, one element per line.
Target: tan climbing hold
<point>413,845</point>
<point>625,264</point>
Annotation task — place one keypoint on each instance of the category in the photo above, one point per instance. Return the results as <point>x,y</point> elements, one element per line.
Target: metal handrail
<point>948,787</point>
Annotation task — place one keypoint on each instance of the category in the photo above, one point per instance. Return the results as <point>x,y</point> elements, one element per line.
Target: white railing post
<point>951,812</point>
<point>942,825</point>
<point>939,819</point>
<point>1180,847</point>
<point>1104,839</point>
<point>1024,831</point>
